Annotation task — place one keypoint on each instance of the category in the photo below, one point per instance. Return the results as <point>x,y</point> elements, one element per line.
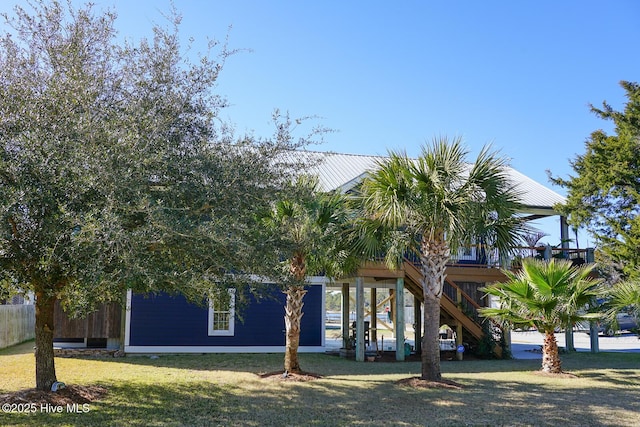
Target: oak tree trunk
<point>292,319</point>
<point>550,357</point>
<point>45,366</point>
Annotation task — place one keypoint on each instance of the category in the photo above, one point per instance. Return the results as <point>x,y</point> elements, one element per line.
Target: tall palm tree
<point>434,204</point>
<point>311,227</point>
<point>547,295</point>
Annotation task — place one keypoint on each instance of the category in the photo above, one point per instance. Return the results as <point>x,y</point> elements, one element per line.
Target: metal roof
<point>338,171</point>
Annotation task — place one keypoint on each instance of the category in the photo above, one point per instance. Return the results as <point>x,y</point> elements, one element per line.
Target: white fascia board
<point>540,210</point>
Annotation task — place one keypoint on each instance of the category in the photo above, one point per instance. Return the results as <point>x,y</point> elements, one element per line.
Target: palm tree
<point>433,205</point>
<point>547,295</point>
<point>624,295</point>
<point>310,226</point>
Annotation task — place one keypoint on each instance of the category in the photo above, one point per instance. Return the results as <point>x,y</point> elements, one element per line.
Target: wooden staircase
<point>455,303</point>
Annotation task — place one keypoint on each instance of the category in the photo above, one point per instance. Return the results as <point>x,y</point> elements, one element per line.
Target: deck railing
<point>478,257</point>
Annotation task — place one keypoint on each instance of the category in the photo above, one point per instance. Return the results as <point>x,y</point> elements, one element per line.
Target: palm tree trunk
<point>430,356</point>
<point>434,258</point>
<point>550,358</point>
<point>45,365</point>
<point>292,319</point>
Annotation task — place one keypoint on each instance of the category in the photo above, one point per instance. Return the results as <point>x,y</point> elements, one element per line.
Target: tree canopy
<point>116,171</point>
<point>604,192</point>
<point>313,232</point>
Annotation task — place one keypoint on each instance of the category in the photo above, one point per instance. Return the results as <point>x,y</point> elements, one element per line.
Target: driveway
<point>526,345</point>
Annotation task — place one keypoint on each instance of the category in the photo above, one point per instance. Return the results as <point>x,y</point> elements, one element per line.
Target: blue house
<point>169,324</point>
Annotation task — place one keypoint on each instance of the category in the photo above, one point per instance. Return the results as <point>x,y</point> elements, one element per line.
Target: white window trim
<point>232,315</point>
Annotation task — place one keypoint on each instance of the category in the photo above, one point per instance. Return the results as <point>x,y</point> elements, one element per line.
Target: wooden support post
<point>373,331</point>
<point>398,323</point>
<point>392,306</point>
<point>346,329</point>
<point>564,243</point>
<point>459,332</point>
<point>564,234</point>
<point>506,332</point>
<point>359,319</point>
<point>568,339</point>
<point>593,336</point>
<point>382,306</point>
<point>417,316</point>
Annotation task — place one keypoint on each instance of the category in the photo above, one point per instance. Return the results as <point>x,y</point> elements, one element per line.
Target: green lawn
<point>225,390</point>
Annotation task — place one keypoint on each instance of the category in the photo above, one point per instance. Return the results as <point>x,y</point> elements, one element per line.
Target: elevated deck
<point>461,297</point>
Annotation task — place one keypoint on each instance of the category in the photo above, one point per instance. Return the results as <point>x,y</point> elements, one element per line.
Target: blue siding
<point>164,320</point>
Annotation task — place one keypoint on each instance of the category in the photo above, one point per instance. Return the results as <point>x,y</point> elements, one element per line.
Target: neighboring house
<point>163,323</point>
<point>19,300</point>
<point>100,329</point>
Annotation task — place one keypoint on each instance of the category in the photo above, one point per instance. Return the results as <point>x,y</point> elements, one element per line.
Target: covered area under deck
<point>367,288</point>
<point>378,289</point>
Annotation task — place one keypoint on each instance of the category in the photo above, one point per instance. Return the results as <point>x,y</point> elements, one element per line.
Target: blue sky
<point>392,75</point>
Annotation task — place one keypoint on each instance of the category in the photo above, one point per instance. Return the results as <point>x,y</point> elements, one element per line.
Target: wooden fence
<point>17,324</point>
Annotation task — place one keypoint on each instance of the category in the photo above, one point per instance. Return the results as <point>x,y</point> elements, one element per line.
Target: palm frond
<point>551,294</point>
<point>625,294</point>
<point>386,191</point>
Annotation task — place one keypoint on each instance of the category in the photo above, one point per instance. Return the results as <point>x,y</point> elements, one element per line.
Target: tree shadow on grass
<point>361,393</point>
<point>69,395</point>
<point>348,401</point>
<point>314,363</point>
<point>22,348</point>
<point>622,378</point>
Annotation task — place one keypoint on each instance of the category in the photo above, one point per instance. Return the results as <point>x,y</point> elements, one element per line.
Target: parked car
<point>624,321</point>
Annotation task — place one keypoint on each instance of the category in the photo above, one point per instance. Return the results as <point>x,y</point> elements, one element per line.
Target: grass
<point>220,389</point>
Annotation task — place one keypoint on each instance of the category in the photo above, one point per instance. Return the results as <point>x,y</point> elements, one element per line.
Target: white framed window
<point>222,314</point>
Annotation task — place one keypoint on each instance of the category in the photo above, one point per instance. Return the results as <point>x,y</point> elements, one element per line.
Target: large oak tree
<point>115,170</point>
